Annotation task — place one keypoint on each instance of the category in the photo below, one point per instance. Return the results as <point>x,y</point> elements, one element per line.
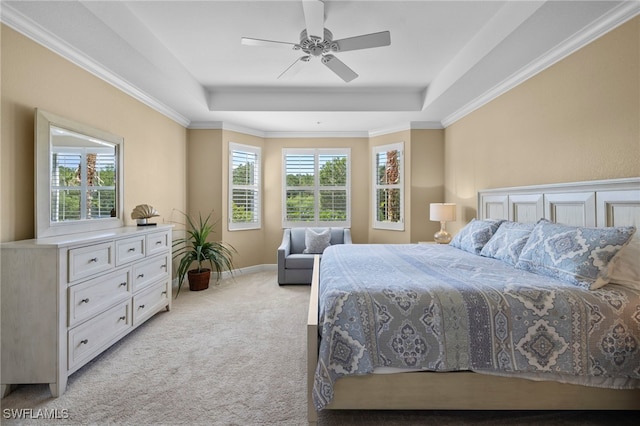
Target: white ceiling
<point>184,58</point>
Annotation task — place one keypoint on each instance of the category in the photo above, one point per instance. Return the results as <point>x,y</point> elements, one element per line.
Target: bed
<point>425,326</point>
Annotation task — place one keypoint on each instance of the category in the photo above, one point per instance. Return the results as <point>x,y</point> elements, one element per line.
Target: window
<point>388,196</point>
<point>316,186</point>
<point>83,183</point>
<point>244,187</point>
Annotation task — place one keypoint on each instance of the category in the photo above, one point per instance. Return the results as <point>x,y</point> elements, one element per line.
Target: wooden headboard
<point>614,202</point>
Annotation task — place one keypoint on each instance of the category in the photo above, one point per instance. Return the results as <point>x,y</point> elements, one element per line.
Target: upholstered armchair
<point>295,262</point>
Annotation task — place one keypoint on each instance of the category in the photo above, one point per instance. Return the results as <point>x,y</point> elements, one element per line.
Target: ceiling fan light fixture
<point>315,46</point>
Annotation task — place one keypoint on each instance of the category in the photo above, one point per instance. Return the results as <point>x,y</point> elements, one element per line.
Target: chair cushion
<point>297,240</point>
<point>337,236</point>
<point>299,261</point>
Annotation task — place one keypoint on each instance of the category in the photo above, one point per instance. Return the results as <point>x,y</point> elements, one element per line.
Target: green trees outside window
<point>317,187</point>
<point>82,186</point>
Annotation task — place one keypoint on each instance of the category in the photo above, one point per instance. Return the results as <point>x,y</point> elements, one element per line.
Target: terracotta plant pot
<point>199,280</point>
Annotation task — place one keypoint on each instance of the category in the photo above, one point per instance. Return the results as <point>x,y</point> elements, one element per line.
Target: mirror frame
<point>44,227</point>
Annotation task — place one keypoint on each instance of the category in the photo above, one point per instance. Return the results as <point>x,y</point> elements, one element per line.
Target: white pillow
<point>624,268</point>
<point>316,242</point>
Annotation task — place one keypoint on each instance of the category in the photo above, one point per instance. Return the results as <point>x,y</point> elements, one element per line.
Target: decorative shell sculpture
<point>143,212</point>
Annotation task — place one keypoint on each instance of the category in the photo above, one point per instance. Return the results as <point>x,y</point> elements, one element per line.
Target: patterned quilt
<point>438,308</point>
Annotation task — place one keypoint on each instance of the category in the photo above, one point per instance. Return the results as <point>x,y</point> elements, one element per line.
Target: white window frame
<point>316,152</point>
<point>387,225</point>
<point>257,187</point>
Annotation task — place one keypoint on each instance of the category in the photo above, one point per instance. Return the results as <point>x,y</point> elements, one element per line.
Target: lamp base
<point>442,237</point>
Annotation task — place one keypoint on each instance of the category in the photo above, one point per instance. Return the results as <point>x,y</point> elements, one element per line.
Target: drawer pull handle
<point>163,266</point>
<point>164,292</point>
<point>140,275</point>
<point>141,307</point>
<point>85,300</point>
<point>131,249</point>
<point>158,243</point>
<point>122,284</point>
<point>93,259</point>
<point>84,342</point>
<point>122,318</point>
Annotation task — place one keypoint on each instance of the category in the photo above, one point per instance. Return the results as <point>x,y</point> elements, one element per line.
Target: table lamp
<point>443,213</point>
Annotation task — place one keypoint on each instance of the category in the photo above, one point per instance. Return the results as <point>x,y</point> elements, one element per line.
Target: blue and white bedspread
<point>439,308</point>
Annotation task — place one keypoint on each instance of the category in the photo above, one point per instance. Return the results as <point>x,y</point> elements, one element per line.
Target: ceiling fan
<point>317,41</point>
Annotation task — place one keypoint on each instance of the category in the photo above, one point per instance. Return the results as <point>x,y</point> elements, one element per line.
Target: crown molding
<point>222,125</point>
<point>27,27</point>
<point>232,127</point>
<point>610,21</point>
<point>414,125</point>
<point>386,131</point>
<point>426,125</point>
<point>307,135</point>
<point>205,125</point>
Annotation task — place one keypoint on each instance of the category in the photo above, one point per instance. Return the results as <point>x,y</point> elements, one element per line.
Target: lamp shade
<point>442,212</point>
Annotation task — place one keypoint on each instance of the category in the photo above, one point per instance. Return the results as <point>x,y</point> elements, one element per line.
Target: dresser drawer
<point>150,301</point>
<point>149,271</point>
<point>157,242</point>
<point>129,249</point>
<point>90,338</point>
<point>86,261</point>
<point>88,298</point>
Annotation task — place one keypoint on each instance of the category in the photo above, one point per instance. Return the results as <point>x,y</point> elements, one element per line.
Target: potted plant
<point>195,249</point>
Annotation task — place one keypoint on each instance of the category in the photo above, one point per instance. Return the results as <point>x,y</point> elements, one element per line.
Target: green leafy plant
<point>195,249</point>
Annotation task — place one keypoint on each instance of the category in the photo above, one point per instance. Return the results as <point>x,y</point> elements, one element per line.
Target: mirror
<point>79,184</point>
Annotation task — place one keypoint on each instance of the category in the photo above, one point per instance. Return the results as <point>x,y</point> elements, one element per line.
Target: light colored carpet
<point>230,355</point>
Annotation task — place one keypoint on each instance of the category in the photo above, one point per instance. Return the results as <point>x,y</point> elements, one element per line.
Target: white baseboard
<point>252,269</point>
<point>248,270</point>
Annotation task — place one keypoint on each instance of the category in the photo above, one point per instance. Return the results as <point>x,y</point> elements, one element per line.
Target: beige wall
<point>578,120</point>
<point>427,181</point>
<point>250,244</point>
<point>32,76</point>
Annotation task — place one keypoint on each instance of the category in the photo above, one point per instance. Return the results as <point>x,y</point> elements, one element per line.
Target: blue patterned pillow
<point>475,235</point>
<point>508,241</point>
<point>573,254</point>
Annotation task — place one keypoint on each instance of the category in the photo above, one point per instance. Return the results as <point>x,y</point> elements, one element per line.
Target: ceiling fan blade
<point>266,43</point>
<point>362,42</point>
<point>314,18</point>
<point>295,67</point>
<point>338,67</point>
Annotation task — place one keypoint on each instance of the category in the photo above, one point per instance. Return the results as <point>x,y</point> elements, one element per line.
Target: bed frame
<point>596,203</point>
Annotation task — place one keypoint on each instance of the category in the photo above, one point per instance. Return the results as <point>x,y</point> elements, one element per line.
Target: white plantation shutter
<point>300,176</point>
<point>244,187</point>
<point>388,187</point>
<point>82,188</point>
<point>316,186</point>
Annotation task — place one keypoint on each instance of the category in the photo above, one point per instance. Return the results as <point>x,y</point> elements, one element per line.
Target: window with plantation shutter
<point>316,186</point>
<point>82,183</point>
<point>244,187</point>
<point>388,195</point>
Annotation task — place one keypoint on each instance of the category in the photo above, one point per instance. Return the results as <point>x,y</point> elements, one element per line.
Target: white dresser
<point>66,299</point>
